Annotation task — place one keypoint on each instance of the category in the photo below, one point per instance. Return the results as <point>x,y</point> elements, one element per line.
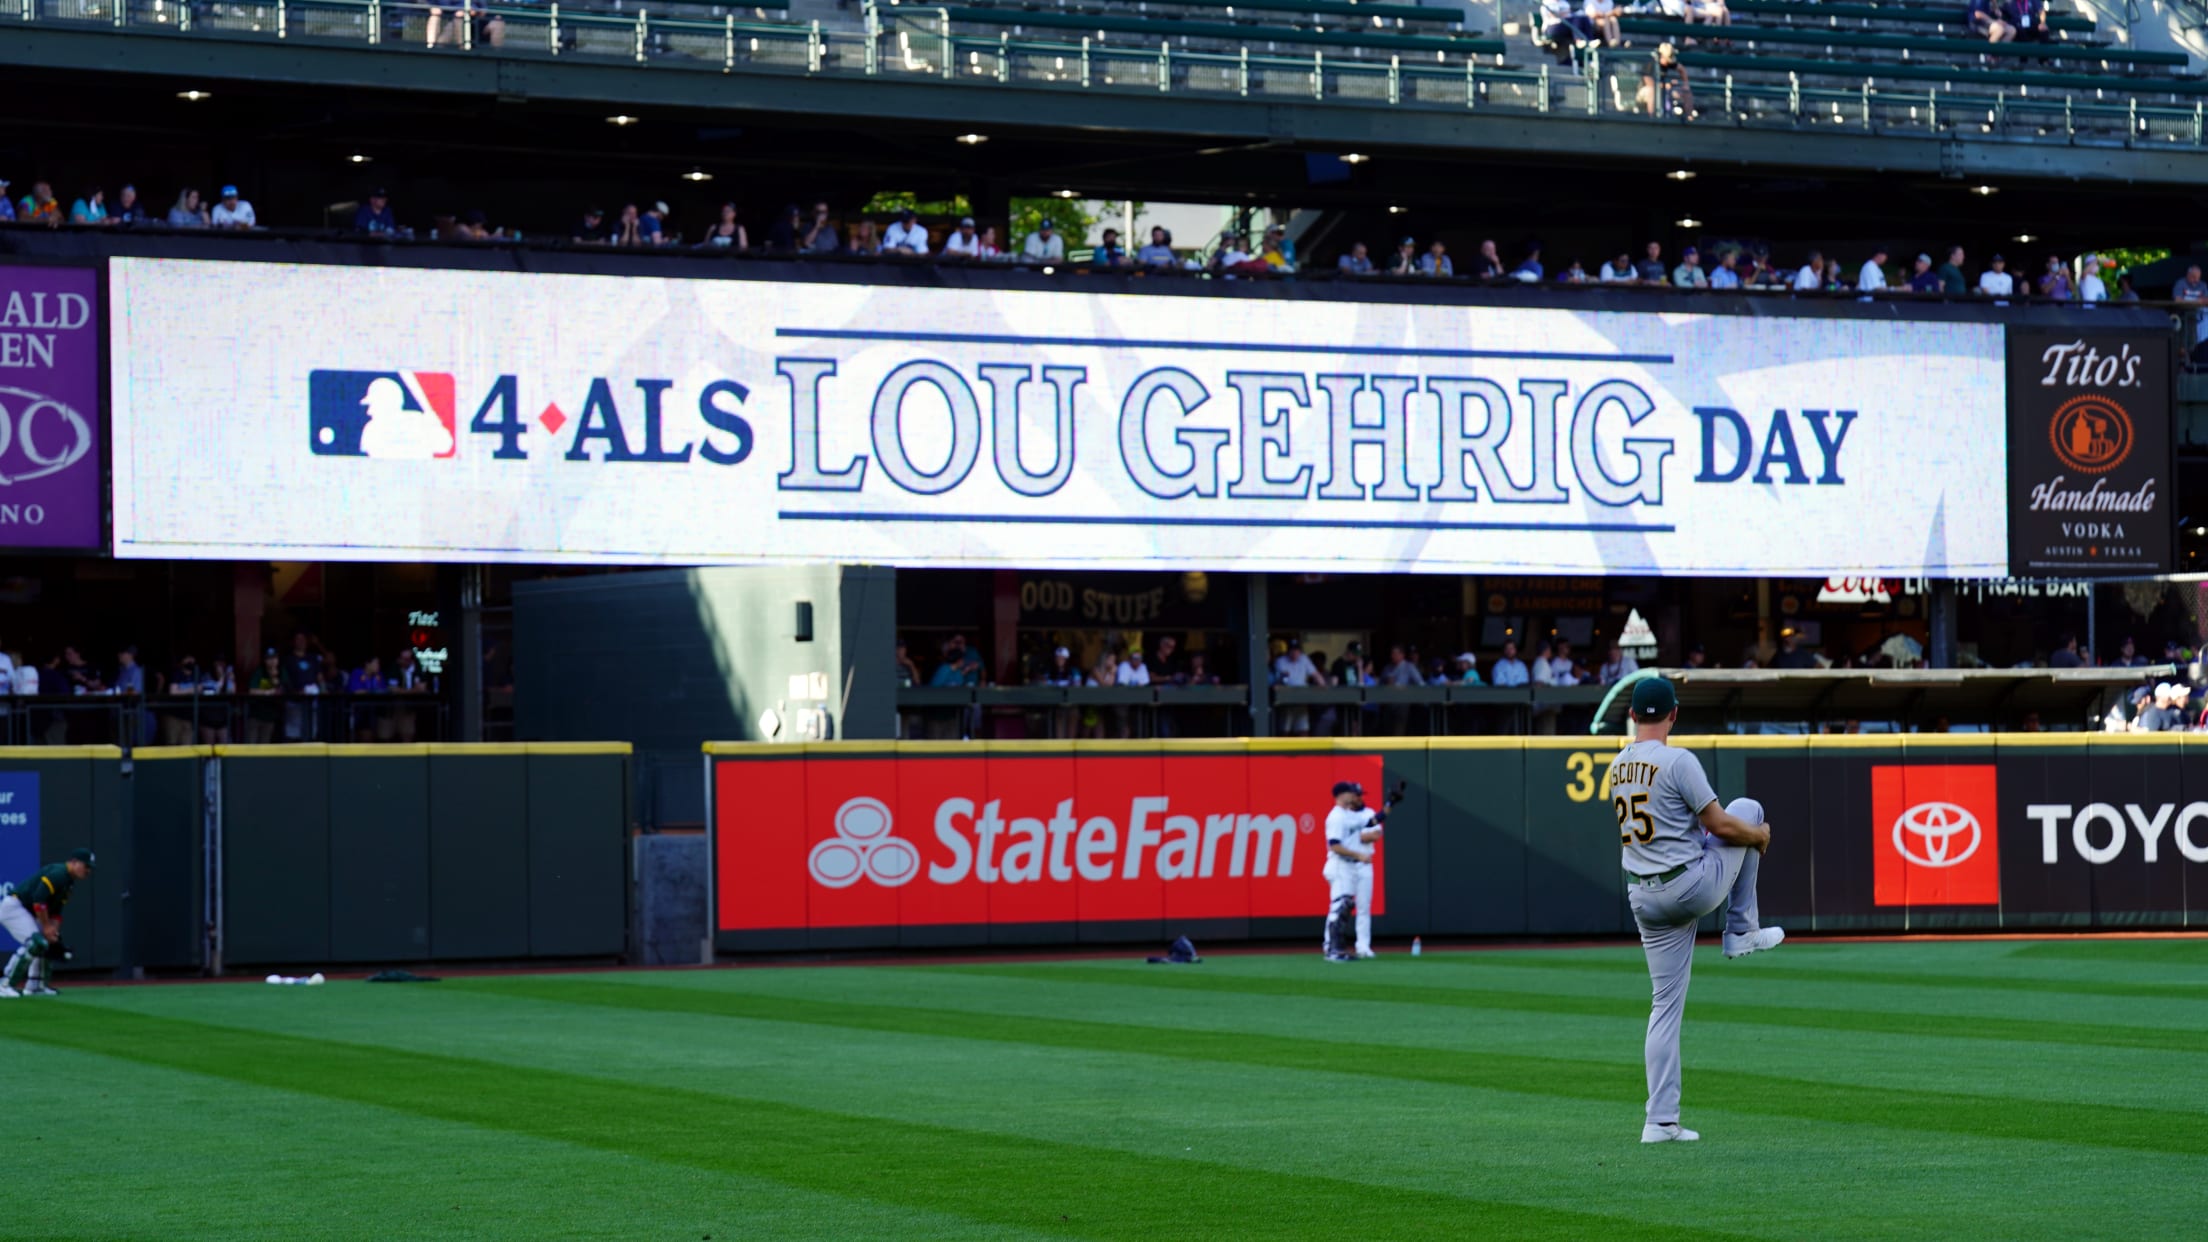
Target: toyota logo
<point>862,846</point>
<point>1927,834</point>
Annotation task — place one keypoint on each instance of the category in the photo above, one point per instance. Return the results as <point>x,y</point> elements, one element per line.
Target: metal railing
<point>130,720</point>
<point>922,42</point>
<point>1062,712</point>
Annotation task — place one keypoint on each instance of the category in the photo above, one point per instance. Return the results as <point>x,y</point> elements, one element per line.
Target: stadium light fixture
<point>193,96</point>
<point>1395,210</point>
<point>621,119</point>
<point>1680,174</point>
<point>1985,191</point>
<point>357,158</point>
<point>1067,194</point>
<point>1356,157</point>
<point>1688,222</point>
<point>697,174</point>
<point>2024,239</point>
<point>973,140</point>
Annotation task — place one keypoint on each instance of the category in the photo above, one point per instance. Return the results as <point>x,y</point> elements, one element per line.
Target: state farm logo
<point>1937,834</point>
<point>1934,835</point>
<point>2091,434</point>
<point>862,846</point>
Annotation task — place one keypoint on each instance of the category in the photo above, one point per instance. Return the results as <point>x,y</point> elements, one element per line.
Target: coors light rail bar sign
<point>2090,473</point>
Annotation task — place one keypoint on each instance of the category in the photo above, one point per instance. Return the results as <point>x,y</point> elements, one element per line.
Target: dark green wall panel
<point>379,858</point>
<point>166,886</point>
<point>478,856</point>
<point>1477,856</point>
<point>276,859</point>
<point>578,868</point>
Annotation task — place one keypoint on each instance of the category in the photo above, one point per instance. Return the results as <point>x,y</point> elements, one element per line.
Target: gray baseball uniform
<point>1675,873</point>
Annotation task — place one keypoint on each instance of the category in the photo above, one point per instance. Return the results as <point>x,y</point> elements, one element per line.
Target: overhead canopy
<point>1919,696</point>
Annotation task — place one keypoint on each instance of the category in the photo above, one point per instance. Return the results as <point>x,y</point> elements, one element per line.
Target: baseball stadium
<point>826,619</point>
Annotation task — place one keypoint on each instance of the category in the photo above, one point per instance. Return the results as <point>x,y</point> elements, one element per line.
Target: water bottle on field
<point>1418,946</point>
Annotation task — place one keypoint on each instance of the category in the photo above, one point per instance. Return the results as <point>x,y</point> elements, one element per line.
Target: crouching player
<point>32,914</point>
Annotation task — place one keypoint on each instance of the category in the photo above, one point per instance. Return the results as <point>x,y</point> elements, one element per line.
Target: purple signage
<point>49,408</point>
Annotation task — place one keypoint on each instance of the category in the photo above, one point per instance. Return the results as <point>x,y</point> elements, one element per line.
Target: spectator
<point>1664,82</point>
<point>302,675</point>
<point>907,236</point>
<point>1727,275</point>
<point>1995,281</point>
<point>128,209</point>
<point>177,724</point>
<point>1924,279</point>
<point>1573,275</point>
<point>2065,654</point>
<point>265,683</point>
<point>39,206</point>
<point>1435,262</point>
<point>1529,270</point>
<point>368,678</point>
<point>217,686</point>
<point>628,228</point>
<point>592,231</point>
<point>475,226</point>
<point>1274,256</point>
<point>1044,245</point>
<point>1696,657</point>
<point>130,676</point>
<point>91,209</point>
<point>2161,715</point>
<point>1465,670</point>
<point>1400,669</point>
<point>1488,265</point>
<point>1359,263</point>
<point>788,227</point>
<point>2124,291</point>
<point>1233,252</point>
<point>1563,669</point>
<point>2056,283</point>
<point>2090,286</point>
<point>1109,253</point>
<point>231,212</point>
<point>1872,278</point>
<point>1293,668</point>
<point>1616,665</point>
<point>1985,18</point>
<point>1199,671</point>
<point>72,675</point>
<point>7,205</point>
<point>375,216</point>
<point>864,242</point>
<point>1132,671</point>
<point>1508,669</point>
<point>2127,655</point>
<point>964,242</point>
<point>2191,289</point>
<point>1601,17</point>
<point>1791,653</point>
<point>819,236</point>
<point>1650,270</point>
<point>653,227</point>
<point>1951,274</point>
<point>1159,253</point>
<point>1543,671</point>
<point>1561,29</point>
<point>1812,276</point>
<point>727,233</point>
<point>1619,271</point>
<point>1165,665</point>
<point>1688,275</point>
<point>990,250</point>
<point>1278,236</point>
<point>1709,13</point>
<point>1406,259</point>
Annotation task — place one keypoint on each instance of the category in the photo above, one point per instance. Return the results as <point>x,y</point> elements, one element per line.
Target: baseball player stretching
<point>1684,857</point>
<point>1352,832</point>
<point>31,912</point>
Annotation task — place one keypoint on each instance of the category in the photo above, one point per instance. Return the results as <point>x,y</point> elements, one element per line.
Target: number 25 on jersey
<point>1634,808</point>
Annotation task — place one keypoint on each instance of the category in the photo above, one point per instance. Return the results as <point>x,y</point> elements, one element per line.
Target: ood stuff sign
<point>913,841</point>
<point>2090,471</point>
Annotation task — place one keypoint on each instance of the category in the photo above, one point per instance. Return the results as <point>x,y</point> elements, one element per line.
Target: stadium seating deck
<point>1899,14</point>
<point>1230,9</point>
<point>1857,71</point>
<point>1827,37</point>
<point>1170,28</point>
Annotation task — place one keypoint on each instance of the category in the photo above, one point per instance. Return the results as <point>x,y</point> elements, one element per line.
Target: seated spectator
<point>726,233</point>
<point>907,236</point>
<point>1109,253</point>
<point>1563,669</point>
<point>1277,235</point>
<point>2191,289</point>
<point>1233,252</point>
<point>964,242</point>
<point>39,206</point>
<point>1601,17</point>
<point>653,226</point>
<point>1573,275</point>
<point>1274,257</point>
<point>1487,265</point>
<point>2091,288</point>
<point>628,228</point>
<point>1872,277</point>
<point>1923,279</point>
<point>1405,262</point>
<point>784,234</point>
<point>1159,253</point>
<point>1435,262</point>
<point>91,209</point>
<point>865,242</point>
<point>1620,270</point>
<point>1616,665</point>
<point>7,205</point>
<point>475,226</point>
<point>232,212</point>
<point>2029,17</point>
<point>1696,657</point>
<point>989,248</point>
<point>1995,281</point>
<point>2159,716</point>
<point>1198,672</point>
<point>1044,245</point>
<point>819,236</point>
<point>1791,652</point>
<point>1986,19</point>
<point>1359,263</point>
<point>592,231</point>
<point>490,28</point>
<point>1465,670</point>
<point>368,679</point>
<point>1727,273</point>
<point>1650,270</point>
<point>2065,654</point>
<point>130,675</point>
<point>1132,671</point>
<point>128,210</point>
<point>1529,269</point>
<point>2056,283</point>
<point>375,216</point>
<point>1561,29</point>
<point>2124,291</point>
<point>1811,278</point>
<point>1688,275</point>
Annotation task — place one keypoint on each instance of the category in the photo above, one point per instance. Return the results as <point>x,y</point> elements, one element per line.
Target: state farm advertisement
<point>996,839</point>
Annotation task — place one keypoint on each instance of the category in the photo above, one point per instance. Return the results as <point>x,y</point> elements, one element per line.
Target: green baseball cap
<point>1653,699</point>
<point>84,856</point>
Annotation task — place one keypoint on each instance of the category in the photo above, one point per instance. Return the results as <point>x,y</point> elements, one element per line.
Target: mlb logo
<point>1935,837</point>
<point>404,414</point>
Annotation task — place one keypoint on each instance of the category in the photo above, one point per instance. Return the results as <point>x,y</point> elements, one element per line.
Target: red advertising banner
<point>995,839</point>
<point>1933,835</point>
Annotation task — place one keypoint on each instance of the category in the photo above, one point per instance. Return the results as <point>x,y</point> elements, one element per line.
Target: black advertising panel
<point>2090,468</point>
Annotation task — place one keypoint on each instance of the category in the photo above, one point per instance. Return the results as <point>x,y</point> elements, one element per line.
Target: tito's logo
<point>2091,434</point>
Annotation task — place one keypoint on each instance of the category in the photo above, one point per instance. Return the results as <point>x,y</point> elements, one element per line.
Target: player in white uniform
<point>1352,834</point>
<point>1684,857</point>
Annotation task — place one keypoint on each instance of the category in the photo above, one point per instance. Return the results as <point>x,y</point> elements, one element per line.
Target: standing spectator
<point>1791,652</point>
<point>726,233</point>
<point>819,236</point>
<point>1665,81</point>
<point>1293,668</point>
<point>1923,279</point>
<point>1951,274</point>
<point>1995,281</point>
<point>1563,669</point>
<point>232,212</point>
<point>302,676</point>
<point>1650,270</point>
<point>1359,263</point>
<point>592,231</point>
<point>39,206</point>
<point>1616,665</point>
<point>2127,655</point>
<point>128,210</point>
<point>1405,262</point>
<point>2065,654</point>
<point>1688,275</point>
<point>370,722</point>
<point>1488,264</point>
<point>1164,666</point>
<point>1464,670</point>
<point>1132,671</point>
<point>1435,262</point>
<point>628,227</point>
<point>1696,657</point>
<point>262,714</point>
<point>1401,670</point>
<point>216,688</point>
<point>1044,245</point>
<point>1062,672</point>
<point>964,242</point>
<point>375,216</point>
<point>2124,291</point>
<point>864,242</point>
<point>177,723</point>
<point>1573,275</point>
<point>1276,236</point>
<point>1619,271</point>
<point>1529,270</point>
<point>1812,276</point>
<point>1109,253</point>
<point>2090,286</point>
<point>90,209</point>
<point>7,205</point>
<point>2056,283</point>
<point>1727,274</point>
<point>1544,671</point>
<point>788,227</point>
<point>907,236</point>
<point>1508,669</point>
<point>653,227</point>
<point>2192,289</point>
<point>1872,278</point>
<point>130,676</point>
<point>990,250</point>
<point>1159,253</point>
<point>908,673</point>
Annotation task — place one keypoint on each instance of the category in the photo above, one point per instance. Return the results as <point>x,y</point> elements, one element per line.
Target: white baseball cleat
<point>8,993</point>
<point>1672,1132</point>
<point>40,989</point>
<point>1753,942</point>
<point>1365,953</point>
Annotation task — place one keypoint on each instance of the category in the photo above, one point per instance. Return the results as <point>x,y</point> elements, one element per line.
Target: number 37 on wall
<point>1583,787</point>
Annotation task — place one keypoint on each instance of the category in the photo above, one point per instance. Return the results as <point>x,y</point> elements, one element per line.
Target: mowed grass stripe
<point>1870,1021</point>
<point>1048,1187</point>
<point>2140,952</point>
<point>1877,978</point>
<point>2001,1117</point>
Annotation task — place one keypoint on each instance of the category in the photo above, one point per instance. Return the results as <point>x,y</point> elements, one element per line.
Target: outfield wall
<point>878,845</point>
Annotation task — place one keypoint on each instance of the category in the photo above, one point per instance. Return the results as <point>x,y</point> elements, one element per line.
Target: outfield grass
<point>1957,1090</point>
